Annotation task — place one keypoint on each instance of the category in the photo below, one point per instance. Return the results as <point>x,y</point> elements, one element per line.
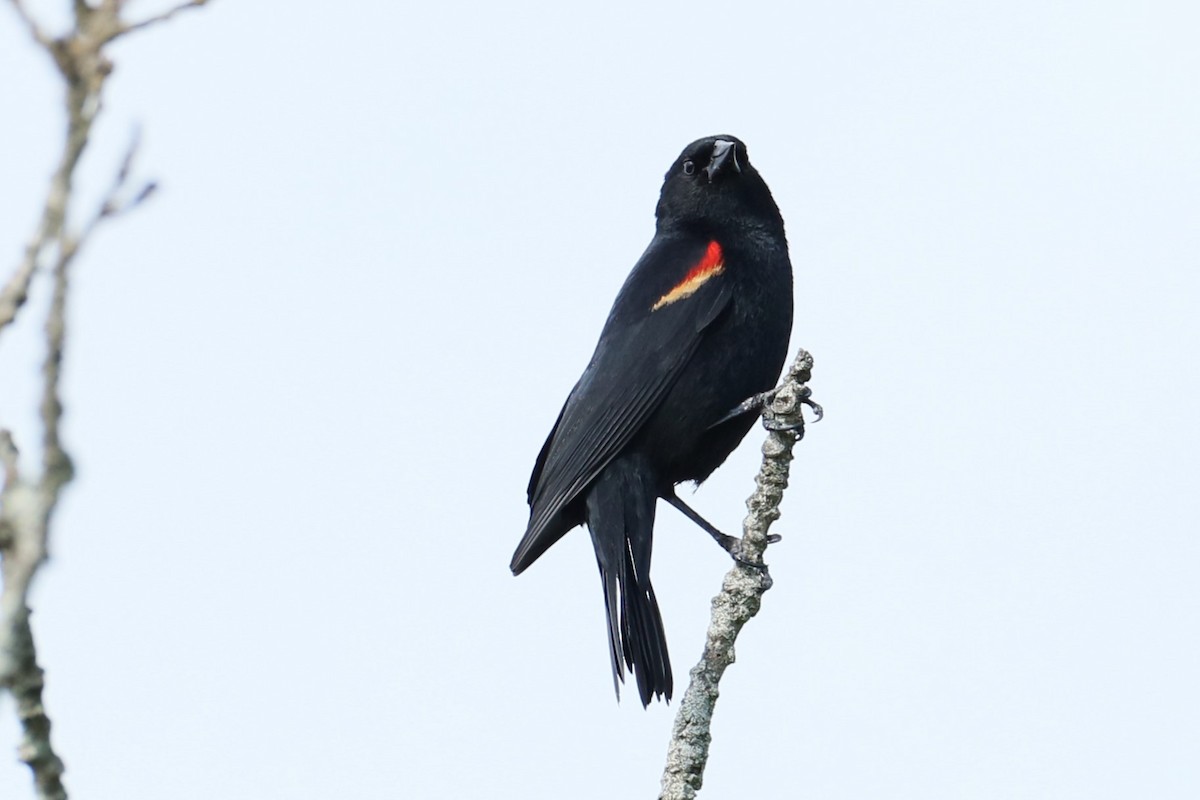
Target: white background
<point>305,385</point>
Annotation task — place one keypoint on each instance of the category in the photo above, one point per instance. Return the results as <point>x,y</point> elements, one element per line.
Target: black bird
<point>701,324</point>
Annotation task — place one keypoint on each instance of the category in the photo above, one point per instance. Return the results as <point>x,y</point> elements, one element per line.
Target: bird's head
<point>713,185</point>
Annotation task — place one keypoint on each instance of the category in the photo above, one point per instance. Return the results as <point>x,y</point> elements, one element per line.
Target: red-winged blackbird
<point>701,324</point>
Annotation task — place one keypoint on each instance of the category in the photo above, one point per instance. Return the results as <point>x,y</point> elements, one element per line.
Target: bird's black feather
<point>701,323</point>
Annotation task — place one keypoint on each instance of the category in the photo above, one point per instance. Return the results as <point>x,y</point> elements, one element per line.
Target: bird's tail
<point>620,516</point>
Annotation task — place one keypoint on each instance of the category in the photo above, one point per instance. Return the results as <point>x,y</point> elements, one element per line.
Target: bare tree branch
<point>35,30</point>
<point>741,592</point>
<point>27,503</point>
<point>163,17</point>
<point>25,511</point>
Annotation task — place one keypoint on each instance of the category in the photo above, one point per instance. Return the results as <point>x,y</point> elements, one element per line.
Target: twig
<point>163,17</point>
<point>741,592</point>
<point>35,30</point>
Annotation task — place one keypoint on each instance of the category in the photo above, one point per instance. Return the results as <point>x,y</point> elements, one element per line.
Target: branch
<point>84,67</point>
<point>27,503</point>
<point>741,591</point>
<point>25,511</point>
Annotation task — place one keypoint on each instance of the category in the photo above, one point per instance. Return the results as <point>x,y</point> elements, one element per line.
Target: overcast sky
<point>306,383</point>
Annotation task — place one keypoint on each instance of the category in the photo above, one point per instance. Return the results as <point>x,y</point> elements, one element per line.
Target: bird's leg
<point>754,403</point>
<point>731,544</point>
<point>758,403</point>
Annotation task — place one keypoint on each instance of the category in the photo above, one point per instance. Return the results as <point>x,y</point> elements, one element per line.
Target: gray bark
<point>741,592</point>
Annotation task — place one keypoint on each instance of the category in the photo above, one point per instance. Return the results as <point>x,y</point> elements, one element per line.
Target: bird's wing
<point>676,291</point>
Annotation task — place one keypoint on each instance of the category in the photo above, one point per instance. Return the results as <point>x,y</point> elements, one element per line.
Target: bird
<point>695,341</point>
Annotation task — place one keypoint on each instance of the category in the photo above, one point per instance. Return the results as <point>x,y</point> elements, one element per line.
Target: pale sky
<point>306,383</point>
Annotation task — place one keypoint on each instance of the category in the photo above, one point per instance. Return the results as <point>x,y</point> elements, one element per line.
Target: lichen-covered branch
<point>742,590</point>
<point>28,501</point>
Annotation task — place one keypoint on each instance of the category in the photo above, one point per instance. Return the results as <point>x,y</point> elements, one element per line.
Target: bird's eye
<point>688,168</point>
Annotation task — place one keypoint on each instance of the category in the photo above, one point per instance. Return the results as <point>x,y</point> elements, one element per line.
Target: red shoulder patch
<point>710,265</point>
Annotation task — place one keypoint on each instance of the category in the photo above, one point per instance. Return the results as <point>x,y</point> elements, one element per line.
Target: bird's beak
<point>723,152</point>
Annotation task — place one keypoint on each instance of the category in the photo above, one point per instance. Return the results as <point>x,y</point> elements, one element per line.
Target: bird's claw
<point>734,546</point>
<point>758,566</point>
<point>806,399</point>
<point>764,571</point>
<point>776,425</point>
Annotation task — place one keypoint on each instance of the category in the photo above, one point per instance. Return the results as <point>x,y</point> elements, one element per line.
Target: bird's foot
<point>734,547</point>
<point>786,409</point>
<point>765,401</point>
